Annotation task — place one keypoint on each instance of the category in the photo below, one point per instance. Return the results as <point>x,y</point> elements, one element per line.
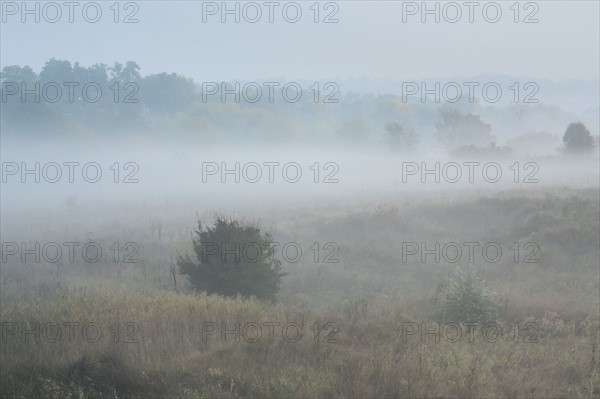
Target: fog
<point>45,176</point>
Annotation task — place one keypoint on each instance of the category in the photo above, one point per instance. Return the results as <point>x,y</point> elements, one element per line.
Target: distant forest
<point>67,99</point>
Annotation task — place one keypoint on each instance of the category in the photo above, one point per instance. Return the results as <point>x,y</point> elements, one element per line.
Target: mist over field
<point>300,199</point>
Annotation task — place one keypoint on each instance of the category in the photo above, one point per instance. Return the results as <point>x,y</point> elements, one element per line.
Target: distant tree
<point>168,93</point>
<point>18,110</point>
<point>56,71</point>
<point>12,78</point>
<point>18,74</point>
<point>459,129</point>
<point>131,72</point>
<point>400,138</point>
<point>233,258</point>
<point>577,139</point>
<point>125,74</point>
<point>125,80</point>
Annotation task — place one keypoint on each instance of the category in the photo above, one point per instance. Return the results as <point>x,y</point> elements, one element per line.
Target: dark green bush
<point>577,139</point>
<point>233,258</point>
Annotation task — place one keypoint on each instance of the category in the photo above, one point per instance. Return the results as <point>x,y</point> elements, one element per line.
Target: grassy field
<point>370,325</point>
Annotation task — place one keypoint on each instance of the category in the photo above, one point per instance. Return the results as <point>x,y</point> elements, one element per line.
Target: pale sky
<point>370,40</point>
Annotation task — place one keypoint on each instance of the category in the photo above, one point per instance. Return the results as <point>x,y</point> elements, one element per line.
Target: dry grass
<point>370,296</point>
<point>372,358</point>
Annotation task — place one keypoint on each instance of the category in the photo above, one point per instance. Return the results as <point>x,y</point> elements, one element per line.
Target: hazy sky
<point>370,40</point>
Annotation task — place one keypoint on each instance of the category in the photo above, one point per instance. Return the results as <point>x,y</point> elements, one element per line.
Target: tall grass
<point>363,306</point>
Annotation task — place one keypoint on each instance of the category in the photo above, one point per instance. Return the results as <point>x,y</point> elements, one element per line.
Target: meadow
<point>367,321</point>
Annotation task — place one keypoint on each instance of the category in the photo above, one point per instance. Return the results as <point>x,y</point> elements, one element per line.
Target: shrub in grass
<point>466,298</point>
<point>233,258</point>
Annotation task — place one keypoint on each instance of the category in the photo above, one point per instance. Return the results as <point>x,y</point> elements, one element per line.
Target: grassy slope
<point>371,358</point>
